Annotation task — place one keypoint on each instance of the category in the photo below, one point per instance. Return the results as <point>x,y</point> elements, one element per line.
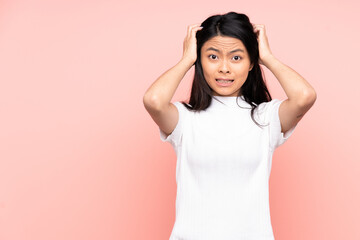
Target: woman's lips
<point>224,84</point>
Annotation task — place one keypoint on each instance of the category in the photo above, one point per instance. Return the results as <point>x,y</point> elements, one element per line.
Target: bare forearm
<point>163,89</point>
<point>294,85</point>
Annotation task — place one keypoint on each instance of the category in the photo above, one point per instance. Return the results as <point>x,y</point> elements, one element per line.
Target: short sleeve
<point>277,138</point>
<point>175,137</point>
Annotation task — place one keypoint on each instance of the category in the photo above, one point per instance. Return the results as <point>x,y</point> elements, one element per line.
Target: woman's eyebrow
<point>216,50</point>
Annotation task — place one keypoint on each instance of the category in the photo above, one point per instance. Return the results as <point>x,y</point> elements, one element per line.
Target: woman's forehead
<point>223,43</point>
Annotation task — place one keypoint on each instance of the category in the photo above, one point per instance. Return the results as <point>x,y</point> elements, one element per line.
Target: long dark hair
<point>236,25</point>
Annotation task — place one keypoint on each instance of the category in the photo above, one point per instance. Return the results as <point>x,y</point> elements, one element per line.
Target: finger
<point>193,31</point>
<point>190,28</point>
<point>193,25</point>
<point>196,28</point>
<point>259,27</point>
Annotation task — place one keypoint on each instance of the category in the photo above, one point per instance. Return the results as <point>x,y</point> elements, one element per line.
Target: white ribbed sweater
<point>223,169</point>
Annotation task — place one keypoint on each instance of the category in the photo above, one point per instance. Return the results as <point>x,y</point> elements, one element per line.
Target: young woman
<point>225,137</point>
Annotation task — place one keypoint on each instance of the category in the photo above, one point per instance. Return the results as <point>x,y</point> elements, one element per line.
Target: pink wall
<point>80,158</point>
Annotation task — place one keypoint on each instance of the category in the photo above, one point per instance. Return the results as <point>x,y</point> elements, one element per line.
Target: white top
<point>223,169</point>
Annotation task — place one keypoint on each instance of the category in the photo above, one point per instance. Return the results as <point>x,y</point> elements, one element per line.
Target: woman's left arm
<point>301,95</point>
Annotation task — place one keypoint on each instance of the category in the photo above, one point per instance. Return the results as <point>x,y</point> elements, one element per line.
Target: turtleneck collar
<point>229,100</point>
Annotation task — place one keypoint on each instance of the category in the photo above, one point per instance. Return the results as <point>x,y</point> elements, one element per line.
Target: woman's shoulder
<point>265,109</point>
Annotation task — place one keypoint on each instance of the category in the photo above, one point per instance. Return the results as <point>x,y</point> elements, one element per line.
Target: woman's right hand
<point>189,46</point>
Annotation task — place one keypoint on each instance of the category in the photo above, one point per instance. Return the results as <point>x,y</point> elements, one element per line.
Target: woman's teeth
<point>224,81</point>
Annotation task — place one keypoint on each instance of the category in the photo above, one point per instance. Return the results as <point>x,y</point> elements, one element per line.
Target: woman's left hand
<point>264,48</point>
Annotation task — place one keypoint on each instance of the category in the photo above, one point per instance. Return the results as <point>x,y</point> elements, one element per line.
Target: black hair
<point>236,25</point>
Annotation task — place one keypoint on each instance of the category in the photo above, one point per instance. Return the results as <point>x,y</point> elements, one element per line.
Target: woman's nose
<point>224,67</point>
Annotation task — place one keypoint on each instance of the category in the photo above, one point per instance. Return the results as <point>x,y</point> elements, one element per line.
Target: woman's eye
<point>212,56</point>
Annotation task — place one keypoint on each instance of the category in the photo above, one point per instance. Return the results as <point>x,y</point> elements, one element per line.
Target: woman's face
<point>226,58</point>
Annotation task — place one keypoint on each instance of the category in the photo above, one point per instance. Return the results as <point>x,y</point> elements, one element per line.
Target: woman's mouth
<point>224,82</point>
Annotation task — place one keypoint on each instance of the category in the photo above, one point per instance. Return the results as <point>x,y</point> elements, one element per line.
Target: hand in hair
<point>264,48</point>
<point>189,46</point>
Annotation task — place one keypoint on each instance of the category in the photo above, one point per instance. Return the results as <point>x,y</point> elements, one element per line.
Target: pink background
<point>80,158</point>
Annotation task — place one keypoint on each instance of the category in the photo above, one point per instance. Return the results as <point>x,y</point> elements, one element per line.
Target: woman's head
<point>220,35</point>
<point>224,57</point>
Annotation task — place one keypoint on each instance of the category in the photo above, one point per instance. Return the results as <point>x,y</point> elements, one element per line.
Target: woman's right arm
<point>157,98</point>
<point>163,89</point>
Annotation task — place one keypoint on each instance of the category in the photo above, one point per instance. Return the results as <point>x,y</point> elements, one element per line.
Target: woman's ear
<point>251,66</point>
